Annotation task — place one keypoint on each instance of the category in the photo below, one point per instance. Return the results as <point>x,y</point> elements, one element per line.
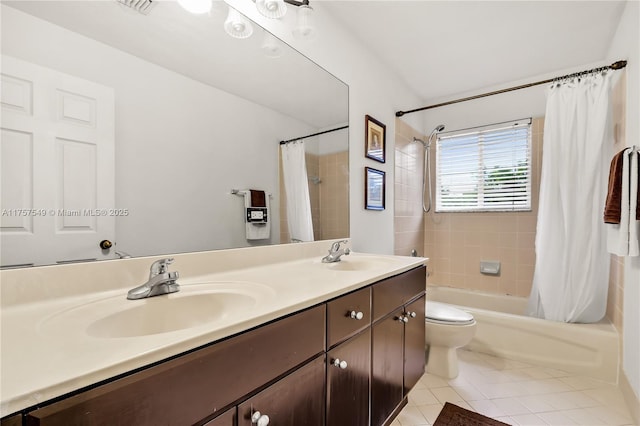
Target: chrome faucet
<point>335,252</point>
<point>161,281</point>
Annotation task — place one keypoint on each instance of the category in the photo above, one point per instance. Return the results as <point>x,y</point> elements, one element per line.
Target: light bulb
<point>304,28</point>
<point>236,25</point>
<point>273,9</point>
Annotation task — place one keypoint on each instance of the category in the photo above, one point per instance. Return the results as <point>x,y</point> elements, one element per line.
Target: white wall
<point>230,149</point>
<point>626,45</point>
<point>373,90</point>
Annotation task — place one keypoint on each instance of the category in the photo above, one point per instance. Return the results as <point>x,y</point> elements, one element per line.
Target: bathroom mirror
<point>191,114</point>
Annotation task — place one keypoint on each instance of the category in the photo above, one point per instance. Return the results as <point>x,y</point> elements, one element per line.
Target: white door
<point>57,166</point>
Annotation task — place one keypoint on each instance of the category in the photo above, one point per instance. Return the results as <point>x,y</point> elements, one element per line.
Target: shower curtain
<point>296,185</point>
<point>572,264</point>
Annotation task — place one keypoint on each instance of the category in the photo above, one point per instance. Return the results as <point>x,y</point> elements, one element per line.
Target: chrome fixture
<point>335,252</point>
<point>426,171</point>
<point>161,281</point>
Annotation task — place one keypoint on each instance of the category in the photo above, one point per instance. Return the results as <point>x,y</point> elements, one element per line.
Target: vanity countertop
<point>57,343</point>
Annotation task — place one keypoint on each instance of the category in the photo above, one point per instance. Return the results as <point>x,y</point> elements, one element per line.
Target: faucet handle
<point>161,266</point>
<point>336,246</point>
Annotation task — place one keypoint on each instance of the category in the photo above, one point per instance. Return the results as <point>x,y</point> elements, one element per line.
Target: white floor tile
<point>517,394</point>
<point>446,394</point>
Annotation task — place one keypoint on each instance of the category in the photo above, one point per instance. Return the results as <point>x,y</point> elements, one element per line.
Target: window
<point>484,169</point>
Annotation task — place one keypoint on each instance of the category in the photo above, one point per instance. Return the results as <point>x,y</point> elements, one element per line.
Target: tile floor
<point>516,393</point>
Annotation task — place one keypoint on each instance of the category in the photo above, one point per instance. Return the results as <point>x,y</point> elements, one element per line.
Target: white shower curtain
<point>296,185</point>
<point>572,264</point>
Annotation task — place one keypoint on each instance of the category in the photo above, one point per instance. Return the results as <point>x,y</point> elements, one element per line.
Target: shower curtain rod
<point>315,134</point>
<point>618,65</point>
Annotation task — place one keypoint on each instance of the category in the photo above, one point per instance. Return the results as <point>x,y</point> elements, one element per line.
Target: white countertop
<point>47,352</point>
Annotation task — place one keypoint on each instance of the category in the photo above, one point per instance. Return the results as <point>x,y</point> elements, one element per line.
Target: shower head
<point>438,129</point>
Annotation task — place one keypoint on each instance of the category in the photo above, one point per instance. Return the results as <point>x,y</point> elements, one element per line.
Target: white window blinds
<point>484,169</point>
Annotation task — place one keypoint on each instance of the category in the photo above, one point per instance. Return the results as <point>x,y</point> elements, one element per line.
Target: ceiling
<point>198,47</point>
<point>444,48</point>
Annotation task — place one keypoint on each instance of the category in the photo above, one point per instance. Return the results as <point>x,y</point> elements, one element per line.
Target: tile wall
<point>457,242</point>
<point>329,195</point>
<point>409,219</point>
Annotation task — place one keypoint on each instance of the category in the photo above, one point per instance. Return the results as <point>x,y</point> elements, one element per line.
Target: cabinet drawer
<point>396,291</point>
<point>185,390</point>
<point>340,322</point>
<point>296,400</point>
<point>226,419</point>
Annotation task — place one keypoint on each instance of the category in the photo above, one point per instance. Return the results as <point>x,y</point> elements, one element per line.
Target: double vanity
<point>257,336</point>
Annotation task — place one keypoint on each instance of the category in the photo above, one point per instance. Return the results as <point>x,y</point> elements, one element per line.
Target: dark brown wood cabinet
<point>387,355</point>
<point>228,418</point>
<point>296,400</point>
<point>397,342</point>
<point>285,370</point>
<point>414,345</point>
<point>195,386</point>
<point>348,373</point>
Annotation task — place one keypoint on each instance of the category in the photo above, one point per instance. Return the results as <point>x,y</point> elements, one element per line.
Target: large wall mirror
<point>136,128</point>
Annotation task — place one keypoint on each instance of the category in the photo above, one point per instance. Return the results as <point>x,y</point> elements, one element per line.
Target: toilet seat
<point>441,313</point>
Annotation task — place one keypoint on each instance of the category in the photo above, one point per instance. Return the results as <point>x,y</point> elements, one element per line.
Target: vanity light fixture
<point>236,25</point>
<point>196,7</point>
<point>273,9</point>
<point>304,27</point>
<point>142,6</point>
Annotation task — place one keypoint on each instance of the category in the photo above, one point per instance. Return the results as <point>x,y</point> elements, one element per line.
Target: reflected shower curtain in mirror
<point>296,185</point>
<point>571,274</point>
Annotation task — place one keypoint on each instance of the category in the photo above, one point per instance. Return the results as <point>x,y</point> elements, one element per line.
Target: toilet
<point>447,328</point>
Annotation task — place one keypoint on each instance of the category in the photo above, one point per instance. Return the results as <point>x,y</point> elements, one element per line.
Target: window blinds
<point>484,169</point>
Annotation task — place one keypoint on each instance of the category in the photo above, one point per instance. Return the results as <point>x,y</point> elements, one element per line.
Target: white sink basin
<point>193,306</point>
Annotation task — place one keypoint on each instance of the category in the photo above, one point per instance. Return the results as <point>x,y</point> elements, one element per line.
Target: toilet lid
<point>442,312</point>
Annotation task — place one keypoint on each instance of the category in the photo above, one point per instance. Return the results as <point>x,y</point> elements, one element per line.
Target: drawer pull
<point>260,419</point>
<point>411,314</point>
<point>340,364</point>
<point>403,319</point>
<point>356,315</point>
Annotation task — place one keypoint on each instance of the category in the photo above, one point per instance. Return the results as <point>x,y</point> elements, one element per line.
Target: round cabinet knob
<point>403,319</point>
<point>356,315</point>
<point>260,419</point>
<point>340,364</point>
<point>412,314</point>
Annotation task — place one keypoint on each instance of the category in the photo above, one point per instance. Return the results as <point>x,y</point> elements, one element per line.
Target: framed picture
<point>374,191</point>
<point>374,139</point>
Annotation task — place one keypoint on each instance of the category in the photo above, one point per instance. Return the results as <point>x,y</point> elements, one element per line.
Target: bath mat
<point>452,415</point>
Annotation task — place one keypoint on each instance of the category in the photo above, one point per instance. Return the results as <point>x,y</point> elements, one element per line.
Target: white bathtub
<point>503,330</point>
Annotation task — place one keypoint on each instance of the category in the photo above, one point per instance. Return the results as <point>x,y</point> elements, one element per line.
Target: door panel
<point>296,400</point>
<point>348,388</point>
<point>387,366</point>
<point>58,171</point>
<point>414,344</point>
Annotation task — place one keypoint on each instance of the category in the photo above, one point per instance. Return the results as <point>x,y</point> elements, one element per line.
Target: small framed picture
<point>374,190</point>
<point>374,139</point>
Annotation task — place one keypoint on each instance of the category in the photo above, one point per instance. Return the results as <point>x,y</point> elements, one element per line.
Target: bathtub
<point>587,349</point>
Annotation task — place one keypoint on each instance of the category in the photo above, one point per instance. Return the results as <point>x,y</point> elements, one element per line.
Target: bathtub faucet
<point>335,252</point>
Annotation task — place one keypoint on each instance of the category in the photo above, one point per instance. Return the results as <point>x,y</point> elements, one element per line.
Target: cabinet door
<point>226,419</point>
<point>348,385</point>
<point>296,400</point>
<point>414,345</point>
<point>387,356</point>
